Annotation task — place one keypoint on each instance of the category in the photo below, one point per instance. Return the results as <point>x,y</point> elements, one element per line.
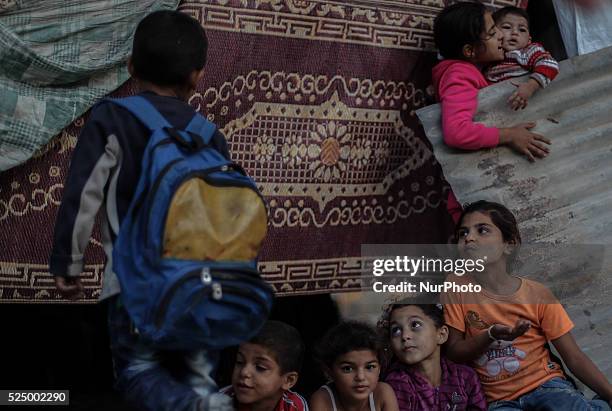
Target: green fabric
<point>57,58</point>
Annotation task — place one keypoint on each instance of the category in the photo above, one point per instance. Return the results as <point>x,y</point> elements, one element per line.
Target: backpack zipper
<point>138,203</point>
<point>224,275</point>
<point>240,170</point>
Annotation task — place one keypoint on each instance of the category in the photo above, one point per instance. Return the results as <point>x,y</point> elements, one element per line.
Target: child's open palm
<point>507,333</point>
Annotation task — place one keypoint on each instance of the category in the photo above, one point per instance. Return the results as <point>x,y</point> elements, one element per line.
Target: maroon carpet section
<point>317,102</point>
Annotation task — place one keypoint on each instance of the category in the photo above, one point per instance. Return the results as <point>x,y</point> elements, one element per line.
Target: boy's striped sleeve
<point>543,66</point>
<point>84,191</point>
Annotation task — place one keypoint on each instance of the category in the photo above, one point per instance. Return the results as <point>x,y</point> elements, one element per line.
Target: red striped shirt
<point>290,401</point>
<point>532,59</point>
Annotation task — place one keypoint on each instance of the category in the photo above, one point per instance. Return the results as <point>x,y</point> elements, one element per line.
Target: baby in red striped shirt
<point>522,56</point>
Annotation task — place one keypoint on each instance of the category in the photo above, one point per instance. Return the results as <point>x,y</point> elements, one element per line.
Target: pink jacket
<point>457,83</point>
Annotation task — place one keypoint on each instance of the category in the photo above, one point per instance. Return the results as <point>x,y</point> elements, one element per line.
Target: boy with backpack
<point>162,291</point>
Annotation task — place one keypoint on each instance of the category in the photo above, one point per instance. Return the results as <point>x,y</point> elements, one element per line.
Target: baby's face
<point>515,30</point>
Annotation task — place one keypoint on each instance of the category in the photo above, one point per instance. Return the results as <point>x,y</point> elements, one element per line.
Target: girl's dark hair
<point>433,311</point>
<point>457,25</point>
<point>168,47</point>
<point>500,216</point>
<point>345,337</point>
<point>517,11</point>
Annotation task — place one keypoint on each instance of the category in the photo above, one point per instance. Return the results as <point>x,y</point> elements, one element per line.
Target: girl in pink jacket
<point>467,38</point>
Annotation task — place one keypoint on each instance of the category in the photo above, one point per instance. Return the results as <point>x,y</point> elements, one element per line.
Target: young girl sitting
<point>421,378</point>
<point>467,38</point>
<point>349,357</point>
<point>503,330</point>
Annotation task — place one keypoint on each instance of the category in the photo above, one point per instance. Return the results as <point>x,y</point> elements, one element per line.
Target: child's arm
<point>523,141</point>
<point>543,67</point>
<point>463,350</point>
<point>319,401</point>
<point>519,99</point>
<point>458,94</point>
<point>386,393</point>
<point>83,194</point>
<point>582,367</point>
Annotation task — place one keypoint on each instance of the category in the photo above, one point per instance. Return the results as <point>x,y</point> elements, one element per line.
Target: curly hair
<point>346,337</point>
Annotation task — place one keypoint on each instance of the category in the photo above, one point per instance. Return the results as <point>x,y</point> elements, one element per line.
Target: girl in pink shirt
<point>421,378</point>
<point>468,39</point>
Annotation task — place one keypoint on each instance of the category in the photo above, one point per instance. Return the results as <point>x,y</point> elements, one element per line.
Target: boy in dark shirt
<point>168,57</point>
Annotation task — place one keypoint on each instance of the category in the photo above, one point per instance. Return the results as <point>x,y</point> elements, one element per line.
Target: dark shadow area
<point>59,347</point>
<point>312,316</point>
<point>545,28</point>
<point>63,346</point>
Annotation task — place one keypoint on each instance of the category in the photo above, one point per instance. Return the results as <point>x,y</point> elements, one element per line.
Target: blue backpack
<point>186,250</point>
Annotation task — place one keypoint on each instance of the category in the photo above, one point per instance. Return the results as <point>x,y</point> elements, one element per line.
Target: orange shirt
<point>510,369</point>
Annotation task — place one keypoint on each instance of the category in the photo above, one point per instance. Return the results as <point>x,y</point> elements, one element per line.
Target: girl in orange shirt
<point>503,330</point>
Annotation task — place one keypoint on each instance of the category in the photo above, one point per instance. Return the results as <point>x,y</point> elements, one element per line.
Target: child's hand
<point>506,333</point>
<point>523,141</point>
<point>69,287</point>
<point>519,99</point>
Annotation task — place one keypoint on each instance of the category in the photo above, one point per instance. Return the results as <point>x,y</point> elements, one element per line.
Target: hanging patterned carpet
<point>317,100</point>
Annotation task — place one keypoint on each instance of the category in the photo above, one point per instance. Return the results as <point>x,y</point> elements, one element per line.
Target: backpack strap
<point>199,126</point>
<point>199,129</point>
<point>142,110</point>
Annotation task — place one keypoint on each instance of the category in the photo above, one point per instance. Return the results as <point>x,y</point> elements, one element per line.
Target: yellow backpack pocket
<point>214,222</point>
